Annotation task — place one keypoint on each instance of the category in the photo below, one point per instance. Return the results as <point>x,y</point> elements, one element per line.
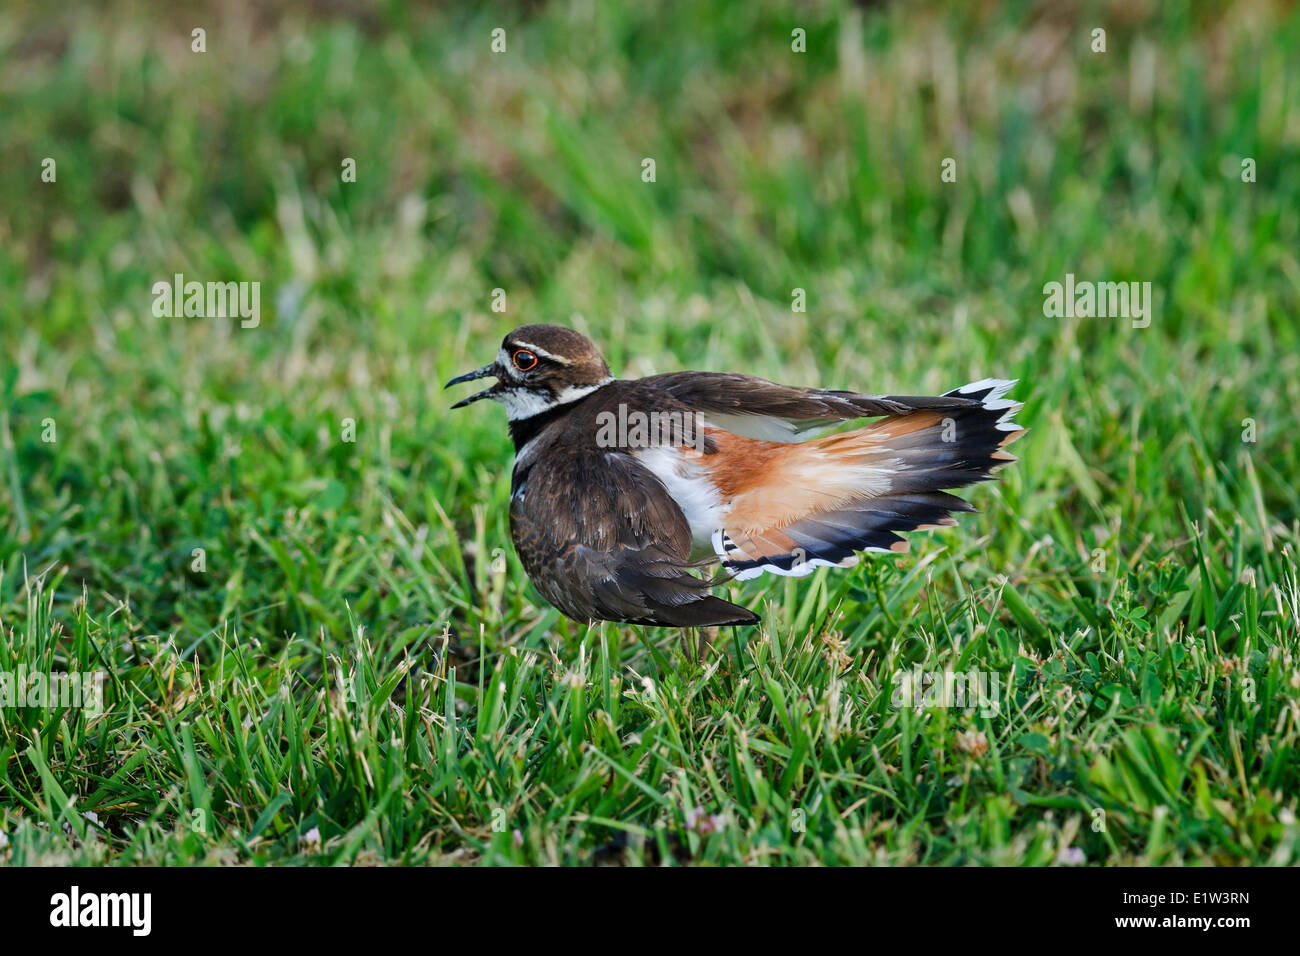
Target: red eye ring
<point>524,360</point>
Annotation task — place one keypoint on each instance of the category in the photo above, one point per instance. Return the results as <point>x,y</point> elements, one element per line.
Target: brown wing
<point>757,408</point>
<point>602,539</point>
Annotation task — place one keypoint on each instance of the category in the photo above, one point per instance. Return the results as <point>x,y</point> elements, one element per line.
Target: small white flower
<point>702,823</point>
<point>1071,856</point>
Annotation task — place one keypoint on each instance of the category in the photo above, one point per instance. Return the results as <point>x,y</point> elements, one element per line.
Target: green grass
<point>358,674</point>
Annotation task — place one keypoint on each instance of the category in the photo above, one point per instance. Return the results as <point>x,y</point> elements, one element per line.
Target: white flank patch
<point>689,485</point>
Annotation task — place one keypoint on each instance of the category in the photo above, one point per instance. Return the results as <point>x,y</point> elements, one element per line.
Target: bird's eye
<point>525,360</point>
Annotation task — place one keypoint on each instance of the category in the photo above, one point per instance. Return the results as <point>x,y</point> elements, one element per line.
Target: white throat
<point>522,403</point>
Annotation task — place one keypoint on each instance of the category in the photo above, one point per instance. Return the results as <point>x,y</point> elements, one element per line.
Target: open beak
<point>483,372</point>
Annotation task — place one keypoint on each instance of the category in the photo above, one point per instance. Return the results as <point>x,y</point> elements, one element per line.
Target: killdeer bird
<point>622,489</point>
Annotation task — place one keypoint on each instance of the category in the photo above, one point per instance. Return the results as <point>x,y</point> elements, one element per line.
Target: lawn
<point>289,561</point>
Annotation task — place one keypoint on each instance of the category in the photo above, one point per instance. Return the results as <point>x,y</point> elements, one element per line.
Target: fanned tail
<point>860,490</point>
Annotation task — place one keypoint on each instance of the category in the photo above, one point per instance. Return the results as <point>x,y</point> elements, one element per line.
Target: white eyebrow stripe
<point>542,352</point>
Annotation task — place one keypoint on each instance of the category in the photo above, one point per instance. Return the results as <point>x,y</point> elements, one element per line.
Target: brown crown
<point>566,356</point>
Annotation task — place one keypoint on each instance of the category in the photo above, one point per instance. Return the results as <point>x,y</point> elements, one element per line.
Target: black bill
<point>483,372</point>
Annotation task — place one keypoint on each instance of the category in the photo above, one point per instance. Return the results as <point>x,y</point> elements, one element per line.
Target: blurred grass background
<point>775,171</point>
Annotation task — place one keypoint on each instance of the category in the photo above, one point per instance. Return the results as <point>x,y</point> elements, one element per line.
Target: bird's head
<point>538,368</point>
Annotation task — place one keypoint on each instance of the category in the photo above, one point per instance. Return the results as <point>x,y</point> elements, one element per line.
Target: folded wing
<point>603,540</point>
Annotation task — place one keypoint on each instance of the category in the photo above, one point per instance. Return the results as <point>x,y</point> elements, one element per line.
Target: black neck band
<point>524,430</point>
